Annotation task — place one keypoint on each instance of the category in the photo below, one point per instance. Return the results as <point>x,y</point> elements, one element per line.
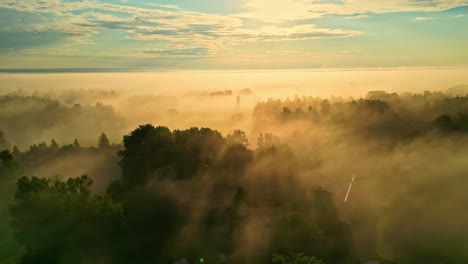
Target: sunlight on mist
<point>233,131</point>
<point>185,99</point>
<point>247,164</point>
<point>280,83</point>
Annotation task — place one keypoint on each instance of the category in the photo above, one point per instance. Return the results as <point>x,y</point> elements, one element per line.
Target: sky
<point>141,35</point>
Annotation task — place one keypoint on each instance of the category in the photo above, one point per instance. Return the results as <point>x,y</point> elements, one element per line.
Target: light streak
<point>349,188</point>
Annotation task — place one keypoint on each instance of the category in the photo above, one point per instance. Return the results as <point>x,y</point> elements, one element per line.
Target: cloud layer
<point>159,29</point>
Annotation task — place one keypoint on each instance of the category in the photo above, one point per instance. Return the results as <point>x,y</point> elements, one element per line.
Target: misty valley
<point>233,131</point>
<point>232,176</point>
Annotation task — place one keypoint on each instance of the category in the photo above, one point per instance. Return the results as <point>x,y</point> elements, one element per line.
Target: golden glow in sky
<point>231,35</point>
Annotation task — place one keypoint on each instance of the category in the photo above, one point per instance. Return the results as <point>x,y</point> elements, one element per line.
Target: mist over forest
<point>233,175</point>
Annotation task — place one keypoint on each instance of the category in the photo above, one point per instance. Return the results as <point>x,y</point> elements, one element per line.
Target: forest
<point>81,182</point>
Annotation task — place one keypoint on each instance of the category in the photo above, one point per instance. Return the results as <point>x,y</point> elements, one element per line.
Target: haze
<point>233,131</point>
<point>266,83</point>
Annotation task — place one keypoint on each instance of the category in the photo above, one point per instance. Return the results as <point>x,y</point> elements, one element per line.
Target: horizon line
<point>150,70</point>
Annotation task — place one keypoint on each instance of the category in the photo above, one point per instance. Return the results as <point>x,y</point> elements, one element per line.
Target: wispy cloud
<point>210,31</point>
<point>423,18</point>
<point>357,17</point>
<point>163,6</point>
<point>458,16</point>
<point>159,30</point>
<point>186,52</point>
<point>280,10</point>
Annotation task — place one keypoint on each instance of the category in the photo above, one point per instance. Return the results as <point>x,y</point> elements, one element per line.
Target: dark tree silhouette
<point>103,142</point>
<point>445,123</point>
<point>54,146</point>
<point>4,144</point>
<point>16,152</point>
<point>237,137</point>
<point>325,107</point>
<point>76,144</point>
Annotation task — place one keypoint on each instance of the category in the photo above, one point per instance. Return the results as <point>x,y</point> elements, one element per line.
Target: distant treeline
<point>23,118</point>
<point>378,115</point>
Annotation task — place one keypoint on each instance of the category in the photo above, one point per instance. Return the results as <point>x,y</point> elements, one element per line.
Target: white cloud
<point>458,16</point>
<point>163,6</point>
<point>214,32</point>
<point>280,10</point>
<point>423,18</point>
<point>176,25</point>
<point>57,52</point>
<point>357,17</point>
<point>386,6</point>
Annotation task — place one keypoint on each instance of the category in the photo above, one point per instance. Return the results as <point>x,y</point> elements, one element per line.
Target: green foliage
<point>236,158</point>
<point>10,171</point>
<point>6,159</point>
<point>336,237</point>
<point>157,152</point>
<point>295,259</point>
<point>62,222</point>
<point>320,233</point>
<point>153,219</point>
<point>140,216</point>
<point>194,194</point>
<point>293,233</point>
<point>237,137</point>
<point>220,225</point>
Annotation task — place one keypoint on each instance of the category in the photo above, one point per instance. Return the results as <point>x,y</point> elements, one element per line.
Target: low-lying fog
<point>402,132</point>
<point>185,99</point>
